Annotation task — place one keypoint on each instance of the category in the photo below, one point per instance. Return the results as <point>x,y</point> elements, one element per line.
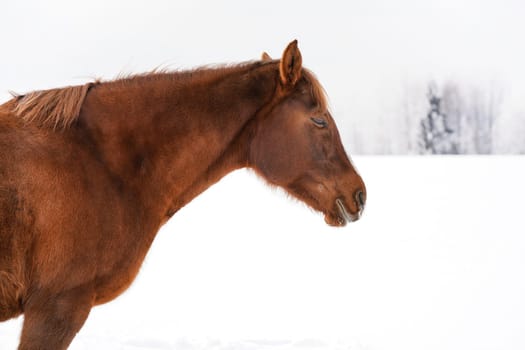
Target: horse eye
<point>320,123</point>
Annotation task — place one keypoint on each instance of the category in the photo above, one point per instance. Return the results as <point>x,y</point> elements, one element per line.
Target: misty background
<point>403,77</point>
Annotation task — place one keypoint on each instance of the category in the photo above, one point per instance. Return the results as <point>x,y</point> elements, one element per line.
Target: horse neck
<point>166,138</point>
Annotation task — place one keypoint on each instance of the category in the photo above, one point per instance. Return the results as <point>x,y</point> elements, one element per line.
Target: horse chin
<point>334,220</point>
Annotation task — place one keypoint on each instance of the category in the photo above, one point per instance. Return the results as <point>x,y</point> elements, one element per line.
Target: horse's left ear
<point>265,57</point>
<point>291,64</point>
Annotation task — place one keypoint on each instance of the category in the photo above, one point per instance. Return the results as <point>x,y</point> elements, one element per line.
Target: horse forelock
<point>55,108</point>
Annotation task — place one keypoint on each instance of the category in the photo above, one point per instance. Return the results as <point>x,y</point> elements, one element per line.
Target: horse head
<point>296,146</point>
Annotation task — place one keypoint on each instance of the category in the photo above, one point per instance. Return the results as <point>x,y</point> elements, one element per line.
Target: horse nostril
<point>359,197</point>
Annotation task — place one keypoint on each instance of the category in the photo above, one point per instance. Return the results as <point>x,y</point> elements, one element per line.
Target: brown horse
<point>88,174</point>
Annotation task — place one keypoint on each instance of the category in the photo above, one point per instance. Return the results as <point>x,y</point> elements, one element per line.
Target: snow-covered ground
<point>437,262</point>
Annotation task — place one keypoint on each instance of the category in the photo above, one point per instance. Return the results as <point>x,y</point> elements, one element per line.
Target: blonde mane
<point>55,108</point>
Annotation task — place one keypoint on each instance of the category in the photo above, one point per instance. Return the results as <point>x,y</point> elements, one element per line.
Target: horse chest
<point>120,267</point>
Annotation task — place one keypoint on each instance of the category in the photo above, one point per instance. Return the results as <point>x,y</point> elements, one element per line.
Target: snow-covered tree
<point>460,118</point>
<point>483,109</point>
<point>437,135</point>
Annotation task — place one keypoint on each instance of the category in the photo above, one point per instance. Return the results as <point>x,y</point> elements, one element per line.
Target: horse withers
<point>89,173</point>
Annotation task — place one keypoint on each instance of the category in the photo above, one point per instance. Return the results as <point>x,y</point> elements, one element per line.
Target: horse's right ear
<point>291,64</point>
<point>265,57</point>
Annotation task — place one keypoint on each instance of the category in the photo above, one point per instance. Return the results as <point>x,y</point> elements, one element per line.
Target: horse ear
<point>291,64</point>
<point>265,57</point>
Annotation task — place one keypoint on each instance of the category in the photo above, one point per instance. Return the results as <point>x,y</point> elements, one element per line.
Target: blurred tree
<point>460,119</point>
<point>482,113</point>
<point>437,136</point>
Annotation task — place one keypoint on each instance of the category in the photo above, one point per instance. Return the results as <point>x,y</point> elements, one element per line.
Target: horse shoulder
<point>15,227</point>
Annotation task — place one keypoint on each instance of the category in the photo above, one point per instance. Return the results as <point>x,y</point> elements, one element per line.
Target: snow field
<point>435,263</point>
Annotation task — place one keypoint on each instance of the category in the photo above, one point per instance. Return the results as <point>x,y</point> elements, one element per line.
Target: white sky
<point>362,51</point>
